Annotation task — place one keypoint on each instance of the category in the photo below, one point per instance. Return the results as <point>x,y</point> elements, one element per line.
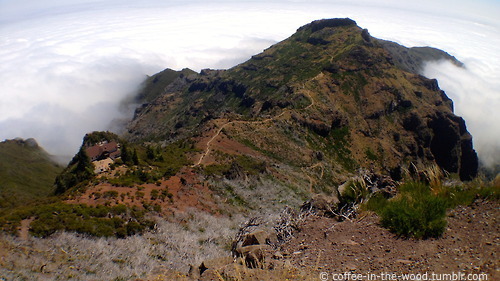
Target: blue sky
<point>66,65</point>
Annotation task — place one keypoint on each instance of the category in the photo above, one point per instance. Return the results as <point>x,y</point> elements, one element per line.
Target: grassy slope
<point>26,173</point>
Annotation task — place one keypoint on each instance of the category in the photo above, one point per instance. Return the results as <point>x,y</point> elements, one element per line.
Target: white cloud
<point>65,64</point>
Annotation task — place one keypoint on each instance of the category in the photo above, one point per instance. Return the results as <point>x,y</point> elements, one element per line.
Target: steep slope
<point>155,85</point>
<point>26,172</point>
<point>330,99</point>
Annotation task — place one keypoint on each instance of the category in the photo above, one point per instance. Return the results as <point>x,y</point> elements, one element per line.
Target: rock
<point>351,266</point>
<point>451,146</point>
<point>325,23</point>
<point>404,261</point>
<point>258,237</point>
<point>350,242</point>
<point>253,248</point>
<point>209,265</point>
<point>31,142</point>
<point>278,255</point>
<point>254,255</point>
<point>321,204</point>
<point>235,172</point>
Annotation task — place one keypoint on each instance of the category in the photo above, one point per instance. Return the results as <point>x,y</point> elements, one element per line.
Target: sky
<point>67,65</point>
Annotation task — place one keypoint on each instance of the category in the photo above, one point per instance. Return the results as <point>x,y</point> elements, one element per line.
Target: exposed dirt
<point>24,228</point>
<point>184,191</point>
<point>230,146</point>
<point>470,245</point>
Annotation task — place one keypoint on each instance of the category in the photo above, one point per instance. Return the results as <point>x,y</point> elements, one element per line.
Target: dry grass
<point>171,248</point>
<point>267,195</point>
<point>432,175</point>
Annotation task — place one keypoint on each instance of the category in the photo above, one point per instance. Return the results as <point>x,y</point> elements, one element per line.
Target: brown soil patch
<point>184,191</point>
<point>470,245</point>
<point>24,228</point>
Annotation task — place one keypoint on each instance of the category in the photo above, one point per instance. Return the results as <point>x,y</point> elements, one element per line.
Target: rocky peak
<point>29,142</point>
<point>331,90</point>
<point>324,23</point>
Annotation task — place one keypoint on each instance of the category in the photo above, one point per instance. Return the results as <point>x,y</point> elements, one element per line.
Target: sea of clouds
<point>66,66</point>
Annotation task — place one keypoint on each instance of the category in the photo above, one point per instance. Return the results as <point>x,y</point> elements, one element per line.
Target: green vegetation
<point>99,136</point>
<point>340,142</point>
<point>155,85</point>
<point>26,173</point>
<point>246,163</point>
<point>119,221</point>
<point>419,210</point>
<point>416,212</point>
<point>154,163</point>
<point>169,159</point>
<point>79,171</point>
<point>129,156</point>
<point>353,83</point>
<point>355,193</point>
<point>136,176</point>
<point>217,169</point>
<point>371,155</point>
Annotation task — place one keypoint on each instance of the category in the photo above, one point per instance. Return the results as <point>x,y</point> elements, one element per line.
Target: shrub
<point>154,194</point>
<point>100,221</point>
<point>415,212</point>
<point>422,216</point>
<point>110,194</point>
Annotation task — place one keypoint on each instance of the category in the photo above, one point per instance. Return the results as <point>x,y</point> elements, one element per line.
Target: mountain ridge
<point>341,56</point>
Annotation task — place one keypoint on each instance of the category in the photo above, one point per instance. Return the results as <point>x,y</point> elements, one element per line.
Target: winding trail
<point>219,131</point>
<point>311,180</point>
<point>207,149</point>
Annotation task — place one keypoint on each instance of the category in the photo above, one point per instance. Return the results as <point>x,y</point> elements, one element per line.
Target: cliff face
<point>330,97</point>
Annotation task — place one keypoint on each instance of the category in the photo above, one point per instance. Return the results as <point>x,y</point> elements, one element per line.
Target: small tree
<point>80,169</point>
<point>135,158</point>
<point>126,156</point>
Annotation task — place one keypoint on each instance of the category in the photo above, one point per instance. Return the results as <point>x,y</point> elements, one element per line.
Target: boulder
<point>321,204</point>
<point>254,256</point>
<point>253,248</point>
<point>209,266</point>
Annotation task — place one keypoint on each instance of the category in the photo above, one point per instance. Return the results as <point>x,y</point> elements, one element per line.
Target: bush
<point>100,221</point>
<point>110,194</point>
<point>415,212</point>
<point>420,216</point>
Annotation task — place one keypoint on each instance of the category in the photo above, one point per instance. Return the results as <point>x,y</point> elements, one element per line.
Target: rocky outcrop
<point>318,25</point>
<point>451,146</point>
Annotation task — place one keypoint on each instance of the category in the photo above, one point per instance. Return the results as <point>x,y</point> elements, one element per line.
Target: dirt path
<point>470,245</point>
<point>311,180</point>
<point>207,149</point>
<point>25,227</point>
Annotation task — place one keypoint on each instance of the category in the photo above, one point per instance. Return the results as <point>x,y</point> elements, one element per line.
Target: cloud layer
<point>66,65</point>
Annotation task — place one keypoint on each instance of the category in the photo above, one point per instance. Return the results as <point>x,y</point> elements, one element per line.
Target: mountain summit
<point>326,101</point>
